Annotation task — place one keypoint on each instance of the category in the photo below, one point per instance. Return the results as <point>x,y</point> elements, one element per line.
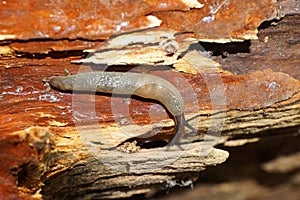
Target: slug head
<point>61,82</point>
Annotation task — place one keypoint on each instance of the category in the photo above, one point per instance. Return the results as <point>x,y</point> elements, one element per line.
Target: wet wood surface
<point>61,142</point>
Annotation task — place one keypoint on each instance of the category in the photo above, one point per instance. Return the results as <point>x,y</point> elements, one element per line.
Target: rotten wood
<point>101,19</point>
<point>59,147</point>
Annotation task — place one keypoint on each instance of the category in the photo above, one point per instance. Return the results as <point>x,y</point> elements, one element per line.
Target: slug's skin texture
<point>143,85</point>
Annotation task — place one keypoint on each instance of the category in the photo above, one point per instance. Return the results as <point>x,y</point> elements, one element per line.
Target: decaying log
<point>59,145</point>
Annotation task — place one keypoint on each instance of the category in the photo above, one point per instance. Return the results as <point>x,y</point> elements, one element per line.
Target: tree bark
<point>63,145</point>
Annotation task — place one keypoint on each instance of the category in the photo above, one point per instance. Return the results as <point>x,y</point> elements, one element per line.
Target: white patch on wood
<point>192,3</point>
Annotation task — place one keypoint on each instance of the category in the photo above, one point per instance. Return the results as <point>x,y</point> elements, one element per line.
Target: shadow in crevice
<point>245,162</point>
<point>222,49</point>
<point>51,54</point>
<point>269,23</point>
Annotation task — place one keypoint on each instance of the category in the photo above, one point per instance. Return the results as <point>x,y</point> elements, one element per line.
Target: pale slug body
<point>143,85</point>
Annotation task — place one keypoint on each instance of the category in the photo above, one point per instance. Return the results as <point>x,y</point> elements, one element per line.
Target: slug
<point>142,85</point>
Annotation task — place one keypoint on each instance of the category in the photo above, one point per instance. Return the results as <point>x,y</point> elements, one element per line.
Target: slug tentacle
<point>143,85</point>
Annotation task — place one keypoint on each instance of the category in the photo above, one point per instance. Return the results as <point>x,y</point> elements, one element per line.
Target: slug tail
<point>190,127</point>
<point>180,122</point>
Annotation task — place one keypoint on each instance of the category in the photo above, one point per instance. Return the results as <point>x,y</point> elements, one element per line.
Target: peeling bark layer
<point>94,150</point>
<point>101,19</point>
